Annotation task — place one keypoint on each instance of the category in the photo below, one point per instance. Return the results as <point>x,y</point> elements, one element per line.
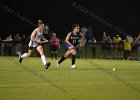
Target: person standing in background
<point>84,31</point>
<point>17,40</point>
<point>55,44</point>
<point>127,48</point>
<point>8,45</point>
<point>25,41</point>
<point>93,47</point>
<point>103,46</point>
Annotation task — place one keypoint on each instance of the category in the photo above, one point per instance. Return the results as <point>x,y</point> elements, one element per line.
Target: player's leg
<point>66,55</point>
<point>25,55</point>
<point>73,52</point>
<point>52,51</point>
<point>128,55</point>
<point>124,56</point>
<point>55,52</point>
<point>43,57</point>
<point>52,54</point>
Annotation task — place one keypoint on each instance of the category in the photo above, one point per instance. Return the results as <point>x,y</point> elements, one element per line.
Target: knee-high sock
<point>73,59</point>
<point>43,59</point>
<point>61,60</point>
<point>24,55</point>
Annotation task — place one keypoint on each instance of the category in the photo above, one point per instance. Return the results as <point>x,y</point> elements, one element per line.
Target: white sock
<point>24,55</point>
<point>43,59</point>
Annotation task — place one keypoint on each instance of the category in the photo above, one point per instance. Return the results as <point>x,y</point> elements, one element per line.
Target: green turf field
<point>92,80</point>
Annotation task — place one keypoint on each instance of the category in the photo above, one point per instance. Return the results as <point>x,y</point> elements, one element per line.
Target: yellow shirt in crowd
<point>127,45</point>
<point>117,40</point>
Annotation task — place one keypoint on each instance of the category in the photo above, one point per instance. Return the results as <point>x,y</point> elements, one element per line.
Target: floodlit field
<point>92,80</point>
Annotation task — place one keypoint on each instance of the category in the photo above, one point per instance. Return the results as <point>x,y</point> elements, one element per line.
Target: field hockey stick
<point>43,42</point>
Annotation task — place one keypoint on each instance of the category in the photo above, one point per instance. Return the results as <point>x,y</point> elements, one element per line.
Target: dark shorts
<point>31,48</point>
<point>54,48</point>
<point>67,46</point>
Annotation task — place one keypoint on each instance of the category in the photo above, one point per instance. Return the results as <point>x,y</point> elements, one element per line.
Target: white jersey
<point>38,37</point>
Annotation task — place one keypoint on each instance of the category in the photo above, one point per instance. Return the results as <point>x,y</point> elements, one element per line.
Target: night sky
<point>60,15</point>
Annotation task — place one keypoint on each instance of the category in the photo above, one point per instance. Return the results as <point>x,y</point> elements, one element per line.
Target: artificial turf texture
<point>94,79</point>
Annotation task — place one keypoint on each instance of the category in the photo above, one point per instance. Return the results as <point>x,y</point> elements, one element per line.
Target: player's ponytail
<point>40,22</point>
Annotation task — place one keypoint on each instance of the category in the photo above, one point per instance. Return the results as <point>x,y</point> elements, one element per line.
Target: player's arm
<point>44,39</point>
<point>67,40</point>
<point>33,37</point>
<point>58,43</point>
<point>51,39</point>
<point>81,39</point>
<point>136,39</point>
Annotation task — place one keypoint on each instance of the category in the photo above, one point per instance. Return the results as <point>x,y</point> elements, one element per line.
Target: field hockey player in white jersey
<point>36,41</point>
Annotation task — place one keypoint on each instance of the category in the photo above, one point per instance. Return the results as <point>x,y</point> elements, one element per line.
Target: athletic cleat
<point>47,65</point>
<point>57,65</point>
<point>20,59</point>
<point>73,66</point>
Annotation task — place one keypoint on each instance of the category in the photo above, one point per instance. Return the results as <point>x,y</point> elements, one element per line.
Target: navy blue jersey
<point>74,38</point>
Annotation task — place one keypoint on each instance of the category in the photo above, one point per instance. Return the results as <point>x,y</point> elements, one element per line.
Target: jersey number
<point>74,41</point>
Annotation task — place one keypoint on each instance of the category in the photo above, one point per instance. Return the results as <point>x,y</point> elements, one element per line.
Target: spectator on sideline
<point>93,46</point>
<point>25,41</point>
<point>109,47</point>
<point>8,45</point>
<point>118,47</point>
<point>84,30</point>
<point>104,39</point>
<point>127,48</point>
<point>17,40</point>
<point>55,44</point>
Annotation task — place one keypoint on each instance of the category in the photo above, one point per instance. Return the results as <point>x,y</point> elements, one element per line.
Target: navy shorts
<point>67,46</point>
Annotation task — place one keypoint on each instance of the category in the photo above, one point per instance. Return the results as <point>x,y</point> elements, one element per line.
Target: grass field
<point>92,80</point>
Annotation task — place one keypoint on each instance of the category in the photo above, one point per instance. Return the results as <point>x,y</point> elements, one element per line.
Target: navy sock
<point>73,59</point>
<point>61,60</point>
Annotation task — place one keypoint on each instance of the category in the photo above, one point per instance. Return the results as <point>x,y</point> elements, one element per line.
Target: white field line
<point>23,85</point>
